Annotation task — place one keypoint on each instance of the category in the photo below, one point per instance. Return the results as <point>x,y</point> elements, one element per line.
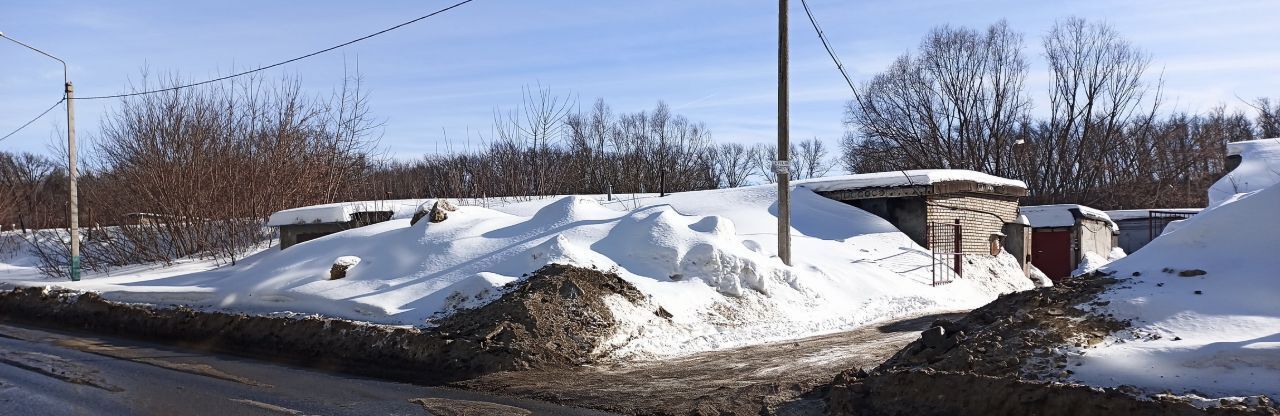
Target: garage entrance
<point>1051,252</point>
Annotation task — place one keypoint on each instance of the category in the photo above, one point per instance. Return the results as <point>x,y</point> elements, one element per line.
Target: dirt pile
<point>556,317</point>
<point>1006,358</point>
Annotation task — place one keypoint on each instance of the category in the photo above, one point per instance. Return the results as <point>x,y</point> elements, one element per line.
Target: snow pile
<point>1089,262</point>
<point>1038,276</point>
<point>341,211</point>
<point>17,258</point>
<point>1259,168</point>
<point>903,178</point>
<point>708,258</point>
<point>346,261</point>
<point>1062,215</point>
<point>1203,300</point>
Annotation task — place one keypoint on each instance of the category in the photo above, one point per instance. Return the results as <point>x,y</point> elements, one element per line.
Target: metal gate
<point>1052,251</point>
<point>945,245</point>
<point>1157,220</point>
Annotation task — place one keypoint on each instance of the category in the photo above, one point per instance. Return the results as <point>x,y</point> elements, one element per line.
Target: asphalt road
<point>54,372</point>
<point>779,377</point>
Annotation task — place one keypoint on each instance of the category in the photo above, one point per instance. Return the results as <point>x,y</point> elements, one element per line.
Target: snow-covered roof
<point>1133,214</point>
<point>1062,215</point>
<point>903,178</point>
<point>1259,168</point>
<point>341,211</point>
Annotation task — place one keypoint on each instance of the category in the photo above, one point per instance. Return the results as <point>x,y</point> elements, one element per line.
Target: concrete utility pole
<point>71,184</point>
<point>782,165</point>
<point>73,200</point>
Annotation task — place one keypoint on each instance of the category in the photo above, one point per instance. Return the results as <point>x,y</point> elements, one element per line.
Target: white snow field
<point>707,257</point>
<point>1215,335</point>
<point>1259,168</point>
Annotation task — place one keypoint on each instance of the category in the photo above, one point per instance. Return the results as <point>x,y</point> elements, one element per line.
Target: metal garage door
<point>1051,252</point>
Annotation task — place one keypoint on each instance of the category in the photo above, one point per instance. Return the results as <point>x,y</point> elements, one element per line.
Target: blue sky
<point>712,61</point>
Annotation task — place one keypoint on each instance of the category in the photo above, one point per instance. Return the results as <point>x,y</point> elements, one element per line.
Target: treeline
<point>197,171</point>
<point>542,147</point>
<point>960,101</point>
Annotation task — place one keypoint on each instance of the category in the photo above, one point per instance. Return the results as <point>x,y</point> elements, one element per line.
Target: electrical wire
<point>42,114</point>
<point>823,37</point>
<point>99,97</point>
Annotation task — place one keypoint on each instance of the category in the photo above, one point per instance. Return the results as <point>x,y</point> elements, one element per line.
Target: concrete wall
<point>1093,236</point>
<point>1017,241</point>
<point>906,213</point>
<point>297,233</point>
<point>980,215</point>
<point>1134,234</point>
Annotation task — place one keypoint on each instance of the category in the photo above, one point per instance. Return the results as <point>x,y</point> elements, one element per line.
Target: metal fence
<point>1157,220</point>
<point>945,243</point>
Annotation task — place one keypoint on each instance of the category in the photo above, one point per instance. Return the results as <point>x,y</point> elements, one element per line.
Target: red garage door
<point>1051,253</point>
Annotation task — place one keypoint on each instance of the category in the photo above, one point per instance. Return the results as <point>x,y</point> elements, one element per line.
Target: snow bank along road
<point>46,372</point>
<point>708,258</point>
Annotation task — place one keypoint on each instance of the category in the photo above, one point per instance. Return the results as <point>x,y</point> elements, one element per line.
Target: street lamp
<point>74,205</point>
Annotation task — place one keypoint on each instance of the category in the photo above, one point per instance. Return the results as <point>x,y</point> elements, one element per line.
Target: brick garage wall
<point>980,215</point>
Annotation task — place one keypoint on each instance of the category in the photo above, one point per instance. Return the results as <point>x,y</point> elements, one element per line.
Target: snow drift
<point>708,258</point>
<point>1259,168</point>
<point>1203,300</point>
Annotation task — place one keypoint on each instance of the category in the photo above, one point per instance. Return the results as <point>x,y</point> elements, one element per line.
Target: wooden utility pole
<point>782,165</point>
<point>71,184</point>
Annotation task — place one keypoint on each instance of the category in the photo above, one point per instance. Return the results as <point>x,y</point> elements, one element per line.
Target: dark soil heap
<point>556,317</point>
<point>1004,359</point>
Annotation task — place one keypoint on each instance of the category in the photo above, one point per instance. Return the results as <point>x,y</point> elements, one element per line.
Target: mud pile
<point>1006,358</point>
<point>556,317</point>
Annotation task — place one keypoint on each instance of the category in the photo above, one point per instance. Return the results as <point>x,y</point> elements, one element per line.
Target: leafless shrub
<point>196,171</point>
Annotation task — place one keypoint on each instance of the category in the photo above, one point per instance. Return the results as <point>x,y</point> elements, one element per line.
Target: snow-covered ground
<point>708,257</point>
<point>1204,298</point>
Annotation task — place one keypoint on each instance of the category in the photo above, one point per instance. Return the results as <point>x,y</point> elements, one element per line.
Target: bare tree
<point>955,104</point>
<point>1098,91</point>
<point>204,167</point>
<point>1268,118</point>
<point>733,164</point>
<point>26,182</point>
<point>810,159</point>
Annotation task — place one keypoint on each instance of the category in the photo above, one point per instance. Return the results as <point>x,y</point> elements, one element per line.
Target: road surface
<point>781,378</point>
<point>54,372</point>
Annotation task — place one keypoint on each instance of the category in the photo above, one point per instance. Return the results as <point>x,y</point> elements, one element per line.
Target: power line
<point>823,37</point>
<point>279,63</point>
<point>46,111</point>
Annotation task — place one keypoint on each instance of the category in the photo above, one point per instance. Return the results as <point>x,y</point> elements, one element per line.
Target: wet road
<point>53,372</point>
<point>755,379</point>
